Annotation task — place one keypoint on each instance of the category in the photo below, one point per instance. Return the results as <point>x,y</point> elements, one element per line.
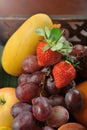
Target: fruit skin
<point>72,126</point>
<point>26,91</point>
<point>59,116</point>
<point>41,108</point>
<point>81,115</point>
<point>5,128</point>
<point>48,57</point>
<point>73,100</point>
<point>63,73</point>
<point>23,43</point>
<point>8,95</point>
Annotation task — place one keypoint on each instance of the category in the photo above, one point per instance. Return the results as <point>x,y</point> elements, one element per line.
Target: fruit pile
<point>47,86</point>
<point>52,78</point>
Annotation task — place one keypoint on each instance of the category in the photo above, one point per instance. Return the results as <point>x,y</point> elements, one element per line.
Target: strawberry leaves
<point>47,32</point>
<point>40,32</point>
<point>64,47</point>
<point>55,35</point>
<point>55,40</point>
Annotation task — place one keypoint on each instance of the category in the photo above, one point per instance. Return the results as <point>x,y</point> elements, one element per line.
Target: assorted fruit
<point>7,100</point>
<point>52,77</point>
<point>23,42</point>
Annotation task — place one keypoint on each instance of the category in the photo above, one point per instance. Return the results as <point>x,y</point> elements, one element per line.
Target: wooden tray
<point>75,27</point>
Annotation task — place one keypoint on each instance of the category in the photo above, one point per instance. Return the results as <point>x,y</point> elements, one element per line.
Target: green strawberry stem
<point>54,40</point>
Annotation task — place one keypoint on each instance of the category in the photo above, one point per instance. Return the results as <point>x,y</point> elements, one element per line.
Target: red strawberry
<point>63,73</point>
<point>48,57</point>
<point>50,50</point>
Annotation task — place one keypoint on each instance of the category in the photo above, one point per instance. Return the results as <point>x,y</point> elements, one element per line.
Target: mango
<point>23,43</point>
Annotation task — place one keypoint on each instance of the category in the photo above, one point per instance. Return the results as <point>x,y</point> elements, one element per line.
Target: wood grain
<point>51,7</point>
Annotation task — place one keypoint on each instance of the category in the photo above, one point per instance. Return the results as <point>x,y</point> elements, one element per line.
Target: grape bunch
<point>42,105</point>
<point>79,53</point>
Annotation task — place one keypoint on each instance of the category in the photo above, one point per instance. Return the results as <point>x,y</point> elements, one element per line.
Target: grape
<point>59,116</point>
<point>47,70</point>
<point>41,108</point>
<point>73,100</point>
<point>50,87</point>
<point>30,64</point>
<point>78,50</point>
<point>24,121</point>
<point>56,100</point>
<point>37,77</point>
<point>23,78</point>
<point>47,128</point>
<point>26,91</point>
<point>20,107</point>
<point>83,66</point>
<point>65,89</point>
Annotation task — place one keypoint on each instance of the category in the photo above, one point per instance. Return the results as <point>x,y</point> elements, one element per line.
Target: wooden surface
<point>51,7</point>
<point>72,14</point>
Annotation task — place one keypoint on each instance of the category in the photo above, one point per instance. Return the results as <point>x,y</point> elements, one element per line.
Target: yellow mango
<point>23,42</point>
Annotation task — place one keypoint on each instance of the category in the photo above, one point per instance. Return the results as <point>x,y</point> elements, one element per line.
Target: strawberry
<point>48,57</point>
<point>53,47</point>
<point>63,73</point>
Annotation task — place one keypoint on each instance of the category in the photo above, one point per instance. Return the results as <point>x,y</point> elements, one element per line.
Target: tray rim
<point>54,17</point>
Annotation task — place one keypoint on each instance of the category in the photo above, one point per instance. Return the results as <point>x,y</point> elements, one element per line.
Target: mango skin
<point>23,42</point>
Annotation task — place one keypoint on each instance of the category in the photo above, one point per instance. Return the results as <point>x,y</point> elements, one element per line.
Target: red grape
<point>47,128</point>
<point>50,87</point>
<point>36,77</point>
<point>41,108</point>
<point>30,64</point>
<point>83,66</point>
<point>26,91</point>
<point>56,100</point>
<point>73,100</point>
<point>20,107</point>
<point>78,50</point>
<point>59,116</point>
<point>24,121</point>
<point>23,78</point>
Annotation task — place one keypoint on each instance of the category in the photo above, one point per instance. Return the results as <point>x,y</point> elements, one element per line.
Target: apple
<point>7,100</point>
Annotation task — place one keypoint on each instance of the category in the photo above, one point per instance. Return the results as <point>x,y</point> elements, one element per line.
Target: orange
<point>81,115</point>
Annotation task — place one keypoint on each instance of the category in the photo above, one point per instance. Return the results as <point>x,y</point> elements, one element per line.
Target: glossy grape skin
<point>65,89</point>
<point>73,100</point>
<point>50,87</point>
<point>19,107</point>
<point>83,65</point>
<point>59,116</point>
<point>78,50</point>
<point>23,78</point>
<point>36,77</point>
<point>56,100</point>
<point>30,64</point>
<point>47,128</point>
<point>27,91</point>
<point>24,121</point>
<point>41,108</point>
<point>80,53</point>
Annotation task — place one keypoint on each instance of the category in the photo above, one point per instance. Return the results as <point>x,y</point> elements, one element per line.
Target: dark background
<point>53,7</point>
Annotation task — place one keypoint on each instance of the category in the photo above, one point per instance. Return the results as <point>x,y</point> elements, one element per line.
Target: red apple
<point>7,100</point>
